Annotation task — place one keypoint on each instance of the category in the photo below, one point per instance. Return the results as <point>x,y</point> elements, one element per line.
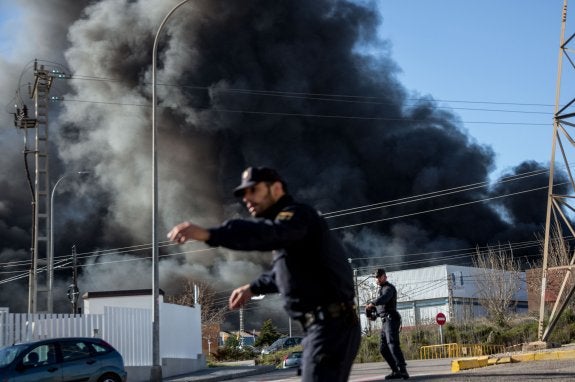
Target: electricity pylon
<point>559,206</point>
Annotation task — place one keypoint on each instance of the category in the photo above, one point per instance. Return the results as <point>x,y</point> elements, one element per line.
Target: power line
<point>299,95</point>
<point>420,197</point>
<point>144,258</point>
<point>147,246</point>
<point>324,97</point>
<point>125,250</point>
<point>480,250</point>
<point>310,115</point>
<point>442,208</point>
<point>25,274</point>
<point>141,247</point>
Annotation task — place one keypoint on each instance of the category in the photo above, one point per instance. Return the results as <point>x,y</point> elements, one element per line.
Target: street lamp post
<point>50,304</point>
<point>156,370</point>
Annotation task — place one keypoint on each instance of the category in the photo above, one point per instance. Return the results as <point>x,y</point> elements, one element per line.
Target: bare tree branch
<point>498,281</point>
<point>212,313</point>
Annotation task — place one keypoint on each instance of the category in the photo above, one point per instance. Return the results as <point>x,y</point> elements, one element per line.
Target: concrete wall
<point>180,331</point>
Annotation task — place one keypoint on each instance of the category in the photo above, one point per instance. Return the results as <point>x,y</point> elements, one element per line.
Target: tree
<point>232,342</point>
<point>498,281</point>
<point>268,334</point>
<point>559,249</point>
<point>211,312</point>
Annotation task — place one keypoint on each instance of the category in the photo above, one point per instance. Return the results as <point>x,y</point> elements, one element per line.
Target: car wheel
<point>298,371</point>
<point>109,378</point>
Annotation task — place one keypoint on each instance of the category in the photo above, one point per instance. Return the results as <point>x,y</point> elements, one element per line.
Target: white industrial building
<point>450,289</point>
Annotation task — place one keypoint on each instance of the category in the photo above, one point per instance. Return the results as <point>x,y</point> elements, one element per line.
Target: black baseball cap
<point>253,175</point>
<point>380,272</point>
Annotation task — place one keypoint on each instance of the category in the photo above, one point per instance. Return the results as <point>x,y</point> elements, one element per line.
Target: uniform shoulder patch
<point>284,215</point>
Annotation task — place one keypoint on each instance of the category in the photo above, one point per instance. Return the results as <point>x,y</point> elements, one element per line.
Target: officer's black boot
<point>394,375</point>
<point>403,373</point>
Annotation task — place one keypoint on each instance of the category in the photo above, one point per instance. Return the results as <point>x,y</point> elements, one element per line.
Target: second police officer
<point>389,347</point>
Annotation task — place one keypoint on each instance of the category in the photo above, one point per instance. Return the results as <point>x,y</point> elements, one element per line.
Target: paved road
<point>440,371</point>
<point>558,370</point>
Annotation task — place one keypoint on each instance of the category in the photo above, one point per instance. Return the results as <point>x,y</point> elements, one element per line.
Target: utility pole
<point>39,92</point>
<point>450,296</point>
<point>73,291</point>
<point>240,333</point>
<point>356,288</point>
<point>23,121</point>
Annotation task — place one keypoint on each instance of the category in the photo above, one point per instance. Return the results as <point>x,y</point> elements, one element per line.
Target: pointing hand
<point>188,231</point>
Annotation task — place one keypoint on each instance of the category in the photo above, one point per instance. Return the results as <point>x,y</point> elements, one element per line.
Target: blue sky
<point>503,53</point>
<point>8,13</point>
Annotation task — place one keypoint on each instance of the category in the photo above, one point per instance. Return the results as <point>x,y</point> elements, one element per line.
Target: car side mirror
<point>20,367</point>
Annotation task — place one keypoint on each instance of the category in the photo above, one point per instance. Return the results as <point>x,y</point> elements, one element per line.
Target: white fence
<point>129,330</point>
<point>16,327</point>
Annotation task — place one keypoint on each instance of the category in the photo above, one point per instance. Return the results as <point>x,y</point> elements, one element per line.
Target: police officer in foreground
<point>310,270</point>
<point>386,306</point>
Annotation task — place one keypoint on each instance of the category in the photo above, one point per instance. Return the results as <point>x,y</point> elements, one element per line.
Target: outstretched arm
<point>188,231</point>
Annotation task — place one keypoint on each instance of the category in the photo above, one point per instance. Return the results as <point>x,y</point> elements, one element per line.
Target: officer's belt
<point>326,312</point>
<point>390,315</point>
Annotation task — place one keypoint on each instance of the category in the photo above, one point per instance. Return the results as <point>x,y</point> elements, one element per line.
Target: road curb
<point>476,362</point>
<point>468,363</point>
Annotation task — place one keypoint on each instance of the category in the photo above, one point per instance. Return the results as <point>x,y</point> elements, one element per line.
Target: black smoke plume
<point>302,86</point>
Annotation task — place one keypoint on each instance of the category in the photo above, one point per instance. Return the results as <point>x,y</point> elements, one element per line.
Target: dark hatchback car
<point>282,343</point>
<point>62,359</point>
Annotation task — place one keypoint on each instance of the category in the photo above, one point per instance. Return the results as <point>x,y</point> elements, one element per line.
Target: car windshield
<point>8,354</point>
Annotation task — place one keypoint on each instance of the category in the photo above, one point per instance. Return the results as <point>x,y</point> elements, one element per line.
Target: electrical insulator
<point>73,293</point>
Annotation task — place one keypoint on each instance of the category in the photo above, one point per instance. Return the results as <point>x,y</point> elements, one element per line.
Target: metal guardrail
<point>455,350</point>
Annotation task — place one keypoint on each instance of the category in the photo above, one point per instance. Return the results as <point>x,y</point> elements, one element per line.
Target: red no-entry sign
<point>440,318</point>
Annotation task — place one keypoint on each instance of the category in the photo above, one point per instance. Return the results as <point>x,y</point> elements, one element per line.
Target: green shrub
<point>231,351</point>
<point>523,332</point>
<point>233,354</point>
<point>368,349</point>
<point>564,331</point>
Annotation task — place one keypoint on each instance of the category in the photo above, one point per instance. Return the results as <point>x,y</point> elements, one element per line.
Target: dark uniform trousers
<point>330,346</point>
<point>389,344</point>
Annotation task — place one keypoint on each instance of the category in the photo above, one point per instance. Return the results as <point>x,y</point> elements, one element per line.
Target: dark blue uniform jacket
<point>310,268</point>
<point>386,302</point>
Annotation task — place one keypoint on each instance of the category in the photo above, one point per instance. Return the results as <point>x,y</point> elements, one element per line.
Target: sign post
<point>440,319</point>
